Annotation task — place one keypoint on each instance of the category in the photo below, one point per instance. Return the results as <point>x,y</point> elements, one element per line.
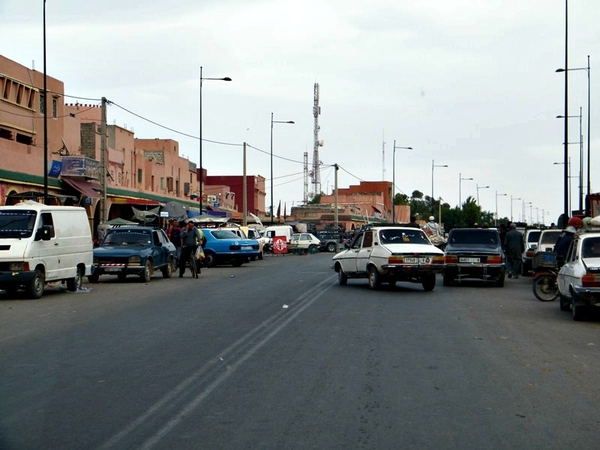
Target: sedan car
<point>530,239</point>
<point>134,250</point>
<point>579,278</point>
<point>390,254</point>
<point>474,253</point>
<point>226,247</point>
<point>304,242</point>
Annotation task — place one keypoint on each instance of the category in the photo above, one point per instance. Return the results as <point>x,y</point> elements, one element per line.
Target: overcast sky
<point>468,83</point>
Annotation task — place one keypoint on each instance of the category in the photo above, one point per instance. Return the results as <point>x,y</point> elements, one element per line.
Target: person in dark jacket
<point>514,248</point>
<point>191,237</point>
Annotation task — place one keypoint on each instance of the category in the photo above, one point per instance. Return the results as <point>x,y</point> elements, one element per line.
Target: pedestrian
<point>502,232</point>
<point>191,237</point>
<point>564,241</point>
<point>514,248</point>
<point>174,233</point>
<point>433,228</point>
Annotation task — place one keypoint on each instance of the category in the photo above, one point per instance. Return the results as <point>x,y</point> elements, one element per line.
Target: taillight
<point>589,280</point>
<point>451,259</point>
<point>529,253</point>
<point>438,259</point>
<point>494,259</point>
<point>395,259</point>
<point>235,247</point>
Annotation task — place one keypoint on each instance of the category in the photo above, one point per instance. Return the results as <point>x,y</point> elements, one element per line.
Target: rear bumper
<point>472,270</point>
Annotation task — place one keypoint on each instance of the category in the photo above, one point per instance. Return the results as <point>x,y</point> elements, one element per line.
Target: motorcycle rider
<point>433,228</point>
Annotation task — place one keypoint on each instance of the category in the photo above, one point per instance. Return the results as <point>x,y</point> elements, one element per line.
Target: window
<point>42,103</point>
<point>139,177</point>
<point>54,108</point>
<point>162,183</point>
<point>368,242</point>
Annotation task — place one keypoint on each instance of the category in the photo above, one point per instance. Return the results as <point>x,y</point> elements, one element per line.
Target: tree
<point>471,211</point>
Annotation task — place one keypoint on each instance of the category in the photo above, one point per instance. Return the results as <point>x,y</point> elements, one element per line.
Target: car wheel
<point>146,274</point>
<point>167,271</point>
<point>342,277</point>
<point>75,283</point>
<point>210,259</point>
<point>93,278</point>
<point>312,249</point>
<point>374,278</point>
<point>331,247</point>
<point>564,303</point>
<point>428,282</point>
<point>35,288</point>
<point>447,280</point>
<point>237,262</point>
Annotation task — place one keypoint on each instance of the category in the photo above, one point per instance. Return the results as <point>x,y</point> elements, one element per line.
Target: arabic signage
<point>80,166</point>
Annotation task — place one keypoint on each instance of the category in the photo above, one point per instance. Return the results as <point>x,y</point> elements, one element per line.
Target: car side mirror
<point>44,233</point>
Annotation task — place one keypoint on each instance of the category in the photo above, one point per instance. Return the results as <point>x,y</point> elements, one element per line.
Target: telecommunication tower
<point>305,168</point>
<point>316,171</point>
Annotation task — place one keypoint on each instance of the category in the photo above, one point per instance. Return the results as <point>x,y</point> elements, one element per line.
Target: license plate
<point>410,260</point>
<point>246,247</point>
<point>112,269</point>
<point>469,260</point>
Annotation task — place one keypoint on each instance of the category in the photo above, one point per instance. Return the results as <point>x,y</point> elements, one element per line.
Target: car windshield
<point>127,238</point>
<point>17,223</point>
<point>472,237</point>
<point>224,234</point>
<point>396,236</point>
<point>550,237</point>
<point>591,247</point>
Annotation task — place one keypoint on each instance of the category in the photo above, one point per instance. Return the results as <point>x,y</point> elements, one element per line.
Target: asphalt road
<point>276,355</point>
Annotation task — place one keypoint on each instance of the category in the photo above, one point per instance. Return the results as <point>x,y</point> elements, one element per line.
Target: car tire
<point>564,303</point>
<point>35,288</point>
<point>447,280</point>
<point>210,259</point>
<point>342,278</point>
<point>146,274</point>
<point>331,247</point>
<point>75,283</point>
<point>428,282</point>
<point>93,278</point>
<point>374,278</point>
<point>167,271</point>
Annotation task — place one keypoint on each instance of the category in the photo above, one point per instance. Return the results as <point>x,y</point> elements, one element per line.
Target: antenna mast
<point>316,172</point>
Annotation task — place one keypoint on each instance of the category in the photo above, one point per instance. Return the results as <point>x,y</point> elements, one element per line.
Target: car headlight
<point>134,260</point>
<point>16,266</point>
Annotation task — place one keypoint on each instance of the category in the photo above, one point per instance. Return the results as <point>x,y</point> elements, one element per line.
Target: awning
<point>135,201</point>
<point>86,188</point>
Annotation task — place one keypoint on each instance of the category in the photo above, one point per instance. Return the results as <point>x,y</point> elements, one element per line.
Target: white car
<point>579,277</point>
<point>304,242</point>
<point>390,254</point>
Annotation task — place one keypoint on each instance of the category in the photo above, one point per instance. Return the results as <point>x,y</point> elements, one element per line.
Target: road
<point>276,355</point>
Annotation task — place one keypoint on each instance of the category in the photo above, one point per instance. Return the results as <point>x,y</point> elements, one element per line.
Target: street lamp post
<point>272,122</point>
<point>580,156</point>
<point>497,195</point>
<point>201,175</point>
<point>394,178</point>
<point>568,178</point>
<point>588,70</point>
<point>524,213</point>
<point>480,187</point>
<point>460,180</point>
<point>433,165</point>
<point>511,206</point>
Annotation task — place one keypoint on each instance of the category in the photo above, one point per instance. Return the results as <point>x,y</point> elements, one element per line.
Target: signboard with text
<point>279,244</point>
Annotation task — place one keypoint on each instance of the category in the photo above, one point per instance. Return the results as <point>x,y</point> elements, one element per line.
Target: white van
<point>40,244</point>
<point>279,230</point>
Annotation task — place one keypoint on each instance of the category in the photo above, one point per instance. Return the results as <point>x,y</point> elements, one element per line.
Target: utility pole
<point>335,213</point>
<point>103,167</point>
<point>245,193</point>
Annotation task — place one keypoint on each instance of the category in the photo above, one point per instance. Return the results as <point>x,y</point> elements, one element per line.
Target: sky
<point>470,84</point>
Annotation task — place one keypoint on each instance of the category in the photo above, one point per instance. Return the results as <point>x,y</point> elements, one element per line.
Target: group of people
<point>186,241</point>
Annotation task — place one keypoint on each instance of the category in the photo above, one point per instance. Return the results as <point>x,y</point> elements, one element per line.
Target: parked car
<point>530,239</point>
<point>253,233</point>
<point>304,242</point>
<point>134,250</point>
<point>579,277</point>
<point>474,253</point>
<point>330,240</point>
<point>390,254</point>
<point>226,247</point>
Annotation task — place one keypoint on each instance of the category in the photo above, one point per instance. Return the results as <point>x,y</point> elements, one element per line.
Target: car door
<point>159,251</point>
<point>348,258</point>
<point>568,272</point>
<point>364,253</point>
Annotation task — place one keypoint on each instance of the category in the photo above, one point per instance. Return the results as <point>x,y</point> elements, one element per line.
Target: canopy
<point>176,210</point>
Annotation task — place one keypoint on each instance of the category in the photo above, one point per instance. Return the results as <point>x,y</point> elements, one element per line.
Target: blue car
<point>226,247</point>
<point>134,251</point>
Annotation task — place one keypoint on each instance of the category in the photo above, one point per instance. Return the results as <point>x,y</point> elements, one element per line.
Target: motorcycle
<point>545,286</point>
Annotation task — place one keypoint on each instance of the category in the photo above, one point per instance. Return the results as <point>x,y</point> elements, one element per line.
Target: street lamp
<point>272,122</point>
<point>394,178</point>
<point>568,178</point>
<point>524,213</point>
<point>580,156</point>
<point>497,195</point>
<point>587,69</point>
<point>480,187</point>
<point>511,206</point>
<point>460,180</point>
<point>201,177</point>
<point>433,165</point>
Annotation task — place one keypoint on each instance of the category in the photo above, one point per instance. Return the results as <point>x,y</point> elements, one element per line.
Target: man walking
<point>191,237</point>
<point>514,248</point>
